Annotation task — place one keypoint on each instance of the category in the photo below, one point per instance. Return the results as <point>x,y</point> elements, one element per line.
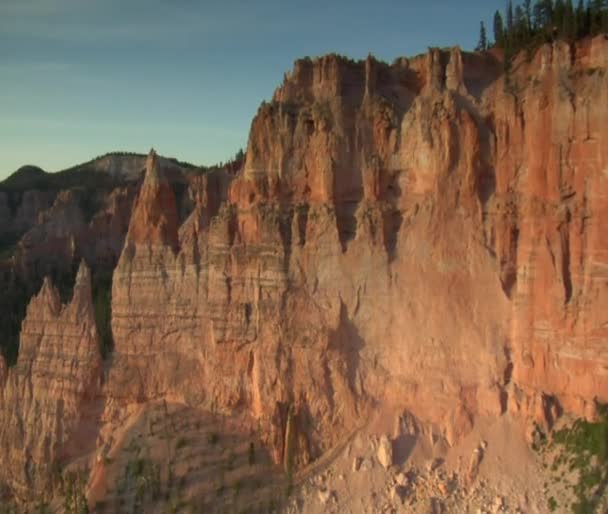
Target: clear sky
<point>79,78</point>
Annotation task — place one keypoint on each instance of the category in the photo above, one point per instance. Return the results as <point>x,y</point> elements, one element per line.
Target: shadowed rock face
<point>422,236</point>
<point>3,371</point>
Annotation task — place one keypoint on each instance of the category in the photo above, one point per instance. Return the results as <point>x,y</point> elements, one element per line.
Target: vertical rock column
<point>154,299</point>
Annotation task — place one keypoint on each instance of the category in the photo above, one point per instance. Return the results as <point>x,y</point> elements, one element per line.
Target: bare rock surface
<point>54,383</point>
<point>414,487</point>
<point>385,452</point>
<point>371,247</point>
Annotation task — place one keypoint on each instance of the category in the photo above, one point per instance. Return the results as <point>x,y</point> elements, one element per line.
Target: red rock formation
<point>151,282</point>
<point>412,234</point>
<point>421,236</point>
<point>103,239</point>
<point>550,193</point>
<point>154,219</point>
<point>51,242</point>
<point>56,377</point>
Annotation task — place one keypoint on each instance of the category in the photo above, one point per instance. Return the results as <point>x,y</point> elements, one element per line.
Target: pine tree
<point>520,27</point>
<point>569,28</point>
<point>539,21</point>
<point>509,18</point>
<point>597,17</point>
<point>528,14</point>
<point>499,37</point>
<point>581,19</point>
<point>68,494</point>
<point>483,39</point>
<point>588,18</point>
<point>558,14</point>
<point>548,13</point>
<point>532,23</point>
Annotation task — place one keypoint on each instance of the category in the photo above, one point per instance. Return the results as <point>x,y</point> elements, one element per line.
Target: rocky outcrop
<point>47,393</point>
<point>546,206</point>
<point>148,284</point>
<point>51,243</point>
<point>103,239</point>
<point>31,204</point>
<point>130,167</point>
<point>126,167</point>
<point>19,211</point>
<point>154,220</point>
<point>66,232</point>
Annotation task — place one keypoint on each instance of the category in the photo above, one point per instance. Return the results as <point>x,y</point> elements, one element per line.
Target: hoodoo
<point>49,392</point>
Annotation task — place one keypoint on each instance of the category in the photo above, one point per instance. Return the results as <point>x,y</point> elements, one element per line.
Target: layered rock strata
<point>49,392</point>
<point>424,234</point>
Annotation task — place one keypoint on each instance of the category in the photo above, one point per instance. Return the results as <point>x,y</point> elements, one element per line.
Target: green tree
<point>499,36</point>
<point>520,28</point>
<point>483,39</point>
<point>509,18</point>
<point>539,21</point>
<point>528,14</point>
<point>581,19</point>
<point>543,14</point>
<point>74,498</point>
<point>68,494</point>
<point>547,9</point>
<point>598,16</point>
<point>569,24</point>
<point>558,15</point>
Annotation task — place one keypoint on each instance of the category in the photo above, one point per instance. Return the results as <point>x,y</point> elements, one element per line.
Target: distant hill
<point>104,170</point>
<point>25,177</point>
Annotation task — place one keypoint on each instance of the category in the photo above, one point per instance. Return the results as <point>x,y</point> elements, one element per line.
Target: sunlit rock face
<point>425,235</point>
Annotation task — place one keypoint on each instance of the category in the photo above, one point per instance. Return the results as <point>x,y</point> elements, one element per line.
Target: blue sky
<point>79,78</point>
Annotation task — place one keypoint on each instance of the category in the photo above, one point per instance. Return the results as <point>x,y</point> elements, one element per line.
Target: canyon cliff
<point>424,237</point>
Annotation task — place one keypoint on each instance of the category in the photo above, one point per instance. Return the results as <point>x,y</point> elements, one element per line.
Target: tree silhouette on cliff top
<point>529,25</point>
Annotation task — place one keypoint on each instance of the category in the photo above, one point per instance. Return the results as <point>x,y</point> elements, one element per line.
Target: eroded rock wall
<point>48,394</point>
<point>424,234</point>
